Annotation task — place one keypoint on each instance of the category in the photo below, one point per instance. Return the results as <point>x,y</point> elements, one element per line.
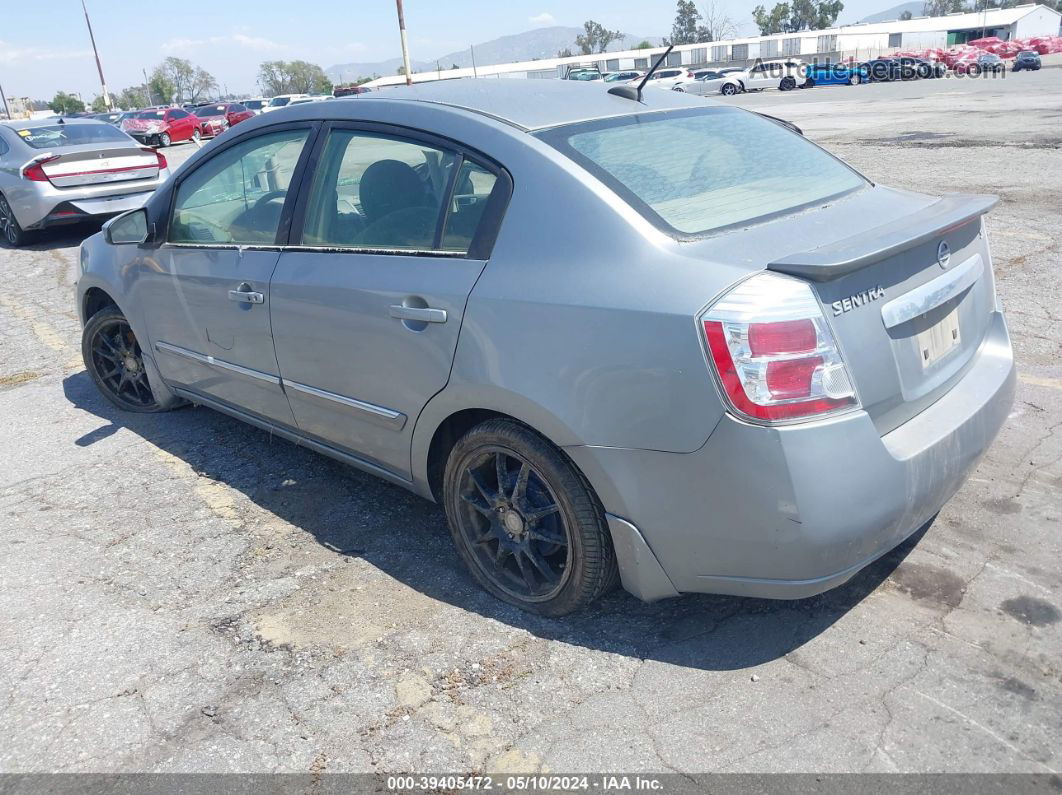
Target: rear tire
<point>787,84</point>
<point>525,521</point>
<point>12,233</point>
<point>855,80</point>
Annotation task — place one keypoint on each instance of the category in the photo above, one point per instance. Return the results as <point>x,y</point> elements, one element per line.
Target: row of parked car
<point>789,74</point>
<point>164,125</point>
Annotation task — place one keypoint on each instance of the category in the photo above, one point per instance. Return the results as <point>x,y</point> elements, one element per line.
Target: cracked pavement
<point>183,593</point>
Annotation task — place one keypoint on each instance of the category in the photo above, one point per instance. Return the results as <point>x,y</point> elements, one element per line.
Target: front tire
<point>196,135</point>
<point>525,521</point>
<point>787,84</point>
<point>164,139</point>
<point>12,233</point>
<point>729,89</point>
<point>115,362</point>
<point>855,80</point>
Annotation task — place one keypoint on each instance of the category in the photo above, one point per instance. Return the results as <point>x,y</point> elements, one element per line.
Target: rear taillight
<point>773,352</point>
<point>161,157</point>
<point>34,170</point>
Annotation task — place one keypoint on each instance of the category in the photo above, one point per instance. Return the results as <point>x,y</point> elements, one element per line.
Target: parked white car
<point>669,77</point>
<point>783,75</point>
<point>282,100</point>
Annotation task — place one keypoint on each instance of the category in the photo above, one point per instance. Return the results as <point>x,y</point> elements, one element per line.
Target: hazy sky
<point>45,48</point>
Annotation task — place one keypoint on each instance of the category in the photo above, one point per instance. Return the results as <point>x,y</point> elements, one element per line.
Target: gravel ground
<point>184,593</point>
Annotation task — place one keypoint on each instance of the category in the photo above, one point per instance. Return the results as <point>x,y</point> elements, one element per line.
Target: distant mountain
<point>526,46</point>
<point>889,14</point>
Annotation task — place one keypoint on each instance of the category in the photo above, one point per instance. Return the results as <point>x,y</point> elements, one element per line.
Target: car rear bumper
<point>39,205</point>
<point>789,512</point>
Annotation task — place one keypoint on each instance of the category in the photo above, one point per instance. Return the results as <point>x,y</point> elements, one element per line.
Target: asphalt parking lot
<point>183,593</point>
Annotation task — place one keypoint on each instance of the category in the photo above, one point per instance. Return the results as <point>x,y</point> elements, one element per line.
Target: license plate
<point>938,341</point>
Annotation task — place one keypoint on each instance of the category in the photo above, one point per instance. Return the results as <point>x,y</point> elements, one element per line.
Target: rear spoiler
<point>852,253</point>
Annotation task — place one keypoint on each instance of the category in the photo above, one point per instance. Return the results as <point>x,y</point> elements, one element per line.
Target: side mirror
<point>130,227</point>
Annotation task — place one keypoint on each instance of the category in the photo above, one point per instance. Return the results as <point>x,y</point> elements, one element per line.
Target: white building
<point>862,41</point>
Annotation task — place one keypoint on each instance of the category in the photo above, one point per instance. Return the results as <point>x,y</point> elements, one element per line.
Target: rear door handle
<point>422,314</point>
<point>245,295</point>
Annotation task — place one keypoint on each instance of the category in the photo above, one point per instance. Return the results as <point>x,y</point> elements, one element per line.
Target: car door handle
<point>245,295</point>
<point>423,314</point>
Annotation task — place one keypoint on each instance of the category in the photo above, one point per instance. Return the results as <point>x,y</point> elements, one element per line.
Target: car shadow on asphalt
<point>58,237</point>
<point>355,514</point>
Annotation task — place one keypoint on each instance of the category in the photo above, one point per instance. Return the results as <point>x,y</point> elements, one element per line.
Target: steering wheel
<point>273,194</point>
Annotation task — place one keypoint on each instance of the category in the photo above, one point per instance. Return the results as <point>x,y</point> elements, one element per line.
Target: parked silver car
<point>61,171</point>
<point>730,364</point>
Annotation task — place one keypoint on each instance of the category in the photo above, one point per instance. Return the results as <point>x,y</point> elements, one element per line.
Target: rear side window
<point>722,166</point>
<point>237,196</point>
<point>55,136</point>
<point>374,191</point>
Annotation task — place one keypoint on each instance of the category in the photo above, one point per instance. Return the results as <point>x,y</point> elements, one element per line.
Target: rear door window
<point>379,192</point>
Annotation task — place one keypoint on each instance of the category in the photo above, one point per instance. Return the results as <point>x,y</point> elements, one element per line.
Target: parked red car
<point>163,126</point>
<point>219,117</point>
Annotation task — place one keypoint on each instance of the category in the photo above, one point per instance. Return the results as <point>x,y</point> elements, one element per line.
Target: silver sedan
<point>61,171</point>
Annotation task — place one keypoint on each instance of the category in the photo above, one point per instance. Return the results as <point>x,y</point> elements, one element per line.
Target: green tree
<point>595,37</point>
<point>644,45</point>
<point>64,104</point>
<point>565,53</point>
<point>99,104</point>
<point>777,21</point>
<point>133,97</point>
<point>293,77</point>
<point>686,29</point>
<point>797,15</point>
<point>179,80</point>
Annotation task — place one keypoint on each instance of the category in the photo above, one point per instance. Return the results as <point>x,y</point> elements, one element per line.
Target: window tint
<point>379,192</point>
<point>177,114</point>
<point>237,196</point>
<point>54,136</point>
<point>471,193</point>
<point>722,166</point>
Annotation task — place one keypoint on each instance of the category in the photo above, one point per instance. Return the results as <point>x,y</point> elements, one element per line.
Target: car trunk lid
<point>77,167</point>
<point>909,302</point>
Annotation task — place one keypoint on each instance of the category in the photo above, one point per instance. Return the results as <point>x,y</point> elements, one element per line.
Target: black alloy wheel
<point>525,521</point>
<point>115,362</point>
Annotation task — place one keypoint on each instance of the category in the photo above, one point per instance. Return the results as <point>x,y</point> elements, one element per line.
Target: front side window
<point>374,191</point>
<point>237,196</point>
<point>722,166</point>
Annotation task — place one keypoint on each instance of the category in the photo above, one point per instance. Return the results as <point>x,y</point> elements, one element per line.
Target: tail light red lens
<point>35,170</point>
<point>161,158</point>
<point>774,353</point>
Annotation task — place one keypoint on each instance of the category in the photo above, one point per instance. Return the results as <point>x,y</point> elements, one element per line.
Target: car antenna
<point>635,93</point>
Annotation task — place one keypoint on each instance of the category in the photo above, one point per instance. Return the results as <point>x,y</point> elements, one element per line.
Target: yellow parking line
<point>1036,380</point>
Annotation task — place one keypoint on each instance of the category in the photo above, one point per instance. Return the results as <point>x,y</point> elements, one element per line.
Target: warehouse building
<point>861,42</point>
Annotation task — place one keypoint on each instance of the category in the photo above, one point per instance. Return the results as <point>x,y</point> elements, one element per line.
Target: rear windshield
<point>210,110</point>
<point>277,102</point>
<point>254,104</point>
<point>59,135</point>
<point>720,167</point>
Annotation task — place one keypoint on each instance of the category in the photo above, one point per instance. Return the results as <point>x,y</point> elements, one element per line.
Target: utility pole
<point>3,96</point>
<point>99,66</point>
<point>405,45</point>
<point>472,50</point>
<point>147,88</point>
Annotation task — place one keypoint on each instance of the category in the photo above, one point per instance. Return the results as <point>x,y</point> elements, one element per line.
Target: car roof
<point>29,124</point>
<point>536,104</point>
